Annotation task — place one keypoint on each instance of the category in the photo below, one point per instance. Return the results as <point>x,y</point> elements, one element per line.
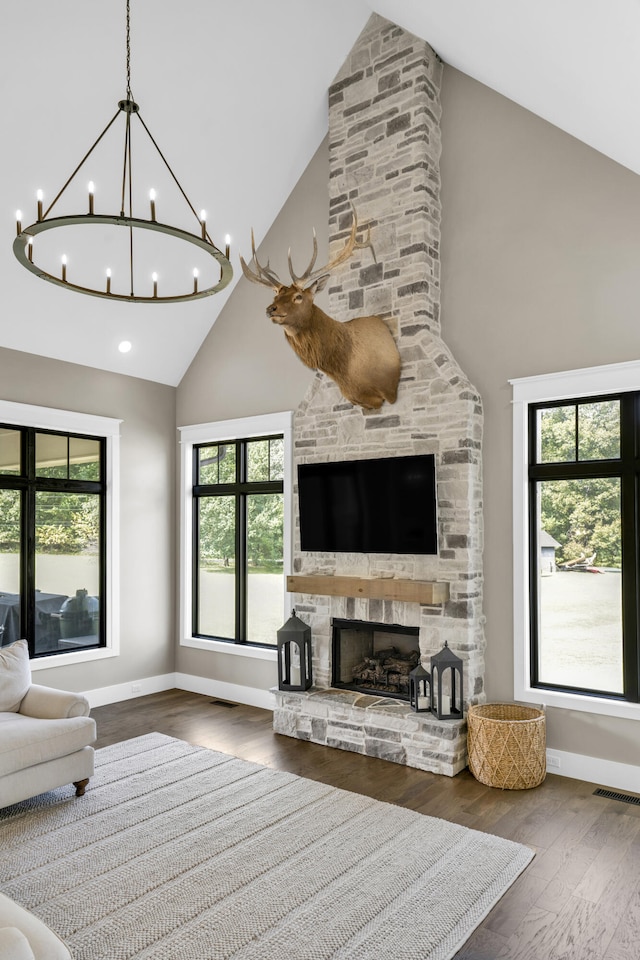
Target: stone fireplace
<point>384,132</point>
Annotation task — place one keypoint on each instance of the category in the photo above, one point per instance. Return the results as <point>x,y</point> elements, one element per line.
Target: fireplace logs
<point>375,658</point>
<point>386,670</point>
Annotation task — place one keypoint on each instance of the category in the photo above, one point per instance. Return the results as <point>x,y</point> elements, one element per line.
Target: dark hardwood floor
<point>578,900</point>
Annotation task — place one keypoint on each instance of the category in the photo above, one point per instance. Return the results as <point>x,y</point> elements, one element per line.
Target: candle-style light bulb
<point>30,249</point>
<point>91,188</point>
<point>227,245</point>
<point>203,221</point>
<point>152,198</point>
<point>19,222</point>
<point>108,279</point>
<point>154,277</point>
<point>195,279</point>
<point>39,198</point>
<point>64,267</point>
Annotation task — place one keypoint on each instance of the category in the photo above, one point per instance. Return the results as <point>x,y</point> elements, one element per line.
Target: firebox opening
<point>374,658</point>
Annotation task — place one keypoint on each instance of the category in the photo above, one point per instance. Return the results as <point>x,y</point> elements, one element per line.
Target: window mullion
<point>533,582</point>
<point>195,543</point>
<point>241,546</point>
<point>241,568</point>
<point>577,471</point>
<point>195,565</point>
<point>532,647</point>
<point>630,547</point>
<point>28,572</point>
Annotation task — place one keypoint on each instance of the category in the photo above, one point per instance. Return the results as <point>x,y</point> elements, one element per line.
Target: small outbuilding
<point>548,547</point>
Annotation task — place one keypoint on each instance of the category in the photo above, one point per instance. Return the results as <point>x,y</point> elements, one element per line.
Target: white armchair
<point>23,936</point>
<point>45,734</point>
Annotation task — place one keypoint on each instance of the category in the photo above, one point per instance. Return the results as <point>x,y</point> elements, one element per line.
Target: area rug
<point>177,852</point>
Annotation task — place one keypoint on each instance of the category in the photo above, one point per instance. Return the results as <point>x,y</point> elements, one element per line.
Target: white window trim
<point>217,432</point>
<point>70,421</point>
<point>586,382</point>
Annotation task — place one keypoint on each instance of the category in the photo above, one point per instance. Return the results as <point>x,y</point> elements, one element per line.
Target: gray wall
<point>540,255</point>
<point>147,497</point>
<point>245,367</point>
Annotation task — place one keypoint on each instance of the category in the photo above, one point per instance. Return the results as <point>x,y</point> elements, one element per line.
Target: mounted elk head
<point>360,355</point>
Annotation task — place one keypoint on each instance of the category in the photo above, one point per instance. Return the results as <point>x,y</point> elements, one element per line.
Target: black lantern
<point>446,685</point>
<point>419,692</point>
<point>294,655</point>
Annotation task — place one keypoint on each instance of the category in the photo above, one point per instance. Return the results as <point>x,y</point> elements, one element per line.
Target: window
<point>236,531</point>
<point>577,542</point>
<point>56,520</point>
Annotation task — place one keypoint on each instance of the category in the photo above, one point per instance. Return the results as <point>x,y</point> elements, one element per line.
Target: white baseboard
<point>233,692</point>
<point>101,696</point>
<point>606,773</point>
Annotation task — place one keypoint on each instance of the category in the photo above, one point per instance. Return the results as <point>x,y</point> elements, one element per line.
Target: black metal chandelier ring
<point>23,243</point>
<point>21,250</point>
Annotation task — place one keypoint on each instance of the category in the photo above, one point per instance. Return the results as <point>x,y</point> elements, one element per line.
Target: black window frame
<point>240,489</point>
<point>29,484</point>
<point>626,467</point>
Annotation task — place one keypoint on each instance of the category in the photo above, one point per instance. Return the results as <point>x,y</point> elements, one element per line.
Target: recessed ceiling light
<point>125,346</point>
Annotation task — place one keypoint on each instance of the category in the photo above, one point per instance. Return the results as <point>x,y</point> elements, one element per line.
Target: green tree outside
<point>65,522</point>
<point>582,515</point>
<point>217,523</point>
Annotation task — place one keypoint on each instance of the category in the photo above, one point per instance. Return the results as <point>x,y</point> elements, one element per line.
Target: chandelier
<point>121,284</point>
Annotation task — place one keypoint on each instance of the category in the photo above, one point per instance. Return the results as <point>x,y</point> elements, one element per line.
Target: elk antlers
<point>263,275</point>
<point>266,276</point>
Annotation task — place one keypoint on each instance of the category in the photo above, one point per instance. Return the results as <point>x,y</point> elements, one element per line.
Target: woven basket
<point>507,745</point>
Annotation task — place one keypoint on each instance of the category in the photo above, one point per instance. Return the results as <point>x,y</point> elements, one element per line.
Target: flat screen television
<point>385,505</point>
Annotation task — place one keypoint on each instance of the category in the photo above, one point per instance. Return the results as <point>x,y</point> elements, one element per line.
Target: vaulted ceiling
<point>235,95</point>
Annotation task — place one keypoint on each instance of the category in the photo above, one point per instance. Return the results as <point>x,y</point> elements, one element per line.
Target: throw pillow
<point>14,945</point>
<point>15,675</point>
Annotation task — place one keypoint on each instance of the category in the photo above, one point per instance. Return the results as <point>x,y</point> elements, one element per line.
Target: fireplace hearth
<point>374,657</point>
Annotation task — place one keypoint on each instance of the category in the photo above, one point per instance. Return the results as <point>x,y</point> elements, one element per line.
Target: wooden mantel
<point>411,591</point>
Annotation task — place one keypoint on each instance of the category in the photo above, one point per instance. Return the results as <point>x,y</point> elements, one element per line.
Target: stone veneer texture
<point>384,132</point>
<point>374,726</point>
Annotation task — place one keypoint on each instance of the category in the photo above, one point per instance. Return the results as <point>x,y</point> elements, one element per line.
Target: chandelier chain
<point>127,148</point>
<point>129,97</point>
